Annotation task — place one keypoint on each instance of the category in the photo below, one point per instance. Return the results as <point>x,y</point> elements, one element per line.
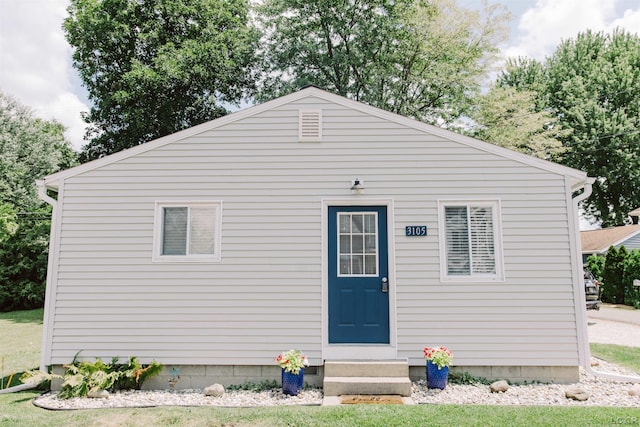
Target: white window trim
<point>497,235</point>
<point>157,232</point>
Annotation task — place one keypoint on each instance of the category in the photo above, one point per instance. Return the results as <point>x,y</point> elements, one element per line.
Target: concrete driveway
<point>614,325</point>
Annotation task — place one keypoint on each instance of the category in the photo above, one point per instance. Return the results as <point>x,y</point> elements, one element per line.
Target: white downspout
<point>42,194</point>
<point>582,313</point>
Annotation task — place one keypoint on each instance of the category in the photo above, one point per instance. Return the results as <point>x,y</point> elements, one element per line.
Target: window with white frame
<point>187,231</point>
<point>472,241</point>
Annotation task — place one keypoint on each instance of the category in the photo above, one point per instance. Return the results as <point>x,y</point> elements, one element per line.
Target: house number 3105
<point>415,230</point>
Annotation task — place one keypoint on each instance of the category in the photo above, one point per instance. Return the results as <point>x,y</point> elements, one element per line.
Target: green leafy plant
<point>81,378</point>
<point>132,374</point>
<point>439,356</point>
<point>255,387</point>
<point>292,361</point>
<point>467,378</point>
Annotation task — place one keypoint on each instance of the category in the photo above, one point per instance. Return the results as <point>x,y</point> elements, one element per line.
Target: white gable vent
<point>310,125</point>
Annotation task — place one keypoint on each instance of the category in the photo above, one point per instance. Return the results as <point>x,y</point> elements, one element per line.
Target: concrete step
<point>337,386</point>
<point>366,368</point>
<point>362,377</point>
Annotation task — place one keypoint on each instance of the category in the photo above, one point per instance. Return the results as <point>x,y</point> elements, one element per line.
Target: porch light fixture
<point>357,187</point>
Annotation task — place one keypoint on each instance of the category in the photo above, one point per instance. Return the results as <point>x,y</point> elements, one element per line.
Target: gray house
<point>598,242</point>
<point>318,223</point>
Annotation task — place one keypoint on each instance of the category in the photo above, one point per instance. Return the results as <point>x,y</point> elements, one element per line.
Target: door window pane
<point>356,223</point>
<point>357,236</point>
<point>345,245</point>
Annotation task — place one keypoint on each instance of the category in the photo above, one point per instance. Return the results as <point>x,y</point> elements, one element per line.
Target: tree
<point>30,148</point>
<point>590,87</point>
<point>612,275</point>
<point>420,59</point>
<point>509,117</point>
<point>631,273</point>
<point>594,88</point>
<point>154,67</point>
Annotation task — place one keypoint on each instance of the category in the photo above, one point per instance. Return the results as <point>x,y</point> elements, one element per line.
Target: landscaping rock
<point>499,386</point>
<point>98,394</point>
<point>215,390</point>
<point>577,393</point>
<point>635,390</point>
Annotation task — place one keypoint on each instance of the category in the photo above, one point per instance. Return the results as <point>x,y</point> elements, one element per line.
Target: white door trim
<point>359,351</point>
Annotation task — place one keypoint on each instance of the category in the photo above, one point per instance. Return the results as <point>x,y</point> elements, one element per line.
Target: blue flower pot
<point>437,378</point>
<point>292,383</point>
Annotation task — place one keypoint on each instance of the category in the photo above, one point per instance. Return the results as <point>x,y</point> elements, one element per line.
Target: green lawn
<point>20,342</point>
<point>20,334</point>
<point>17,410</point>
<point>629,357</point>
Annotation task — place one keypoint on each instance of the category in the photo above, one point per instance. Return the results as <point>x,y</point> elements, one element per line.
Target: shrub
<point>613,287</point>
<point>595,264</point>
<point>631,273</point>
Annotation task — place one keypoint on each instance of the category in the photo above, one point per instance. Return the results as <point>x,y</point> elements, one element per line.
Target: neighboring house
<point>598,242</point>
<point>323,224</point>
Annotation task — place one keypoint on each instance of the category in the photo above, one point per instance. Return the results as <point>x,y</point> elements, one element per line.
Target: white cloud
<point>629,21</point>
<point>35,62</point>
<point>548,22</point>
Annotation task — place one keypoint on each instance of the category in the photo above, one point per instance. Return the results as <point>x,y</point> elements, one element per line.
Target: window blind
<point>470,240</point>
<point>174,231</point>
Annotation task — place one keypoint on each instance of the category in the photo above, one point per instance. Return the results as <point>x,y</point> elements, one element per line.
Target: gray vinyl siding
<point>265,296</point>
<point>631,243</point>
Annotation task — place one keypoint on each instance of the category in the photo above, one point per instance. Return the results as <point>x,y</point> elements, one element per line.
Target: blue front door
<point>358,275</point>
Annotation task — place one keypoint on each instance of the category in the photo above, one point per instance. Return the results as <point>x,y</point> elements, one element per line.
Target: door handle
<point>385,285</point>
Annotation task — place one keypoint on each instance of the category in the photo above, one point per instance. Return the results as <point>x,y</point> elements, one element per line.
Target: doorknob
<point>385,285</point>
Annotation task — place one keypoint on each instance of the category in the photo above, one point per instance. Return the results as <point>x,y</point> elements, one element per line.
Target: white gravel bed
<point>603,392</point>
<point>137,399</point>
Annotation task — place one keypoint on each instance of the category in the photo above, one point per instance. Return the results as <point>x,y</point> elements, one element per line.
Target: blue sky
<point>35,59</point>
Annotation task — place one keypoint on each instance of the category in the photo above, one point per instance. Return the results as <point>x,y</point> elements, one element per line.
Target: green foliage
<point>631,273</point>
<point>616,272</point>
<point>155,67</point>
<point>467,378</point>
<point>612,290</point>
<point>80,378</point>
<point>265,385</point>
<point>590,87</point>
<point>132,374</point>
<point>30,148</point>
<point>292,361</point>
<point>595,264</point>
<point>8,221</point>
<point>510,118</point>
<point>423,60</point>
<point>594,88</point>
